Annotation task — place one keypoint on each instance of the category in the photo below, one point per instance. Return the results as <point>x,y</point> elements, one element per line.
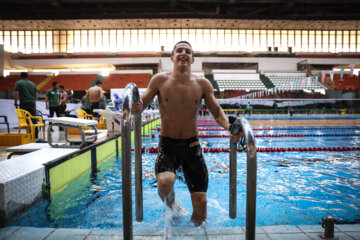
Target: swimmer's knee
<point>165,181</point>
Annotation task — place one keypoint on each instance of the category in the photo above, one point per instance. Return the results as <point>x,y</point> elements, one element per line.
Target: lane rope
<point>314,149</point>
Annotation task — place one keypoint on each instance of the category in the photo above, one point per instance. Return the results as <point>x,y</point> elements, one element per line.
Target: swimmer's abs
<point>178,132</point>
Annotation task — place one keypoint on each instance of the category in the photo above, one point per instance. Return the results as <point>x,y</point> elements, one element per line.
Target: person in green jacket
<point>25,90</point>
<point>52,100</point>
<point>85,105</point>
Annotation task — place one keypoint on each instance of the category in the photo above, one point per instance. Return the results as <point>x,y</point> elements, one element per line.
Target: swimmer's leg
<point>165,181</point>
<point>199,201</point>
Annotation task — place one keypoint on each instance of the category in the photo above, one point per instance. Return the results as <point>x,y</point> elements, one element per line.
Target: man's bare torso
<point>64,98</point>
<point>95,94</point>
<point>179,103</point>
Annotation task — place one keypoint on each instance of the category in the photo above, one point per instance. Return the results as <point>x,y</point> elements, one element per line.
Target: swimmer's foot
<point>197,223</point>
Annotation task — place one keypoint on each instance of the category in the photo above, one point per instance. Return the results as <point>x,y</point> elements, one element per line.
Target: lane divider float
<point>314,149</point>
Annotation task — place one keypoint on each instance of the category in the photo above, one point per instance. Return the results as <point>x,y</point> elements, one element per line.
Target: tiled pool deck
<point>281,232</point>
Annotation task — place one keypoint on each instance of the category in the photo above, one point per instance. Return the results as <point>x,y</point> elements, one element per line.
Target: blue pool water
<point>292,187</point>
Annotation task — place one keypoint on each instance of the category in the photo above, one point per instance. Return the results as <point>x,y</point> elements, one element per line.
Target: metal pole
<point>243,124</point>
<point>233,176</point>
<point>138,169</point>
<point>131,94</point>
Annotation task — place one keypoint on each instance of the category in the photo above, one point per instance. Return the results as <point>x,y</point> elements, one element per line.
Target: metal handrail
<point>131,94</point>
<point>243,124</point>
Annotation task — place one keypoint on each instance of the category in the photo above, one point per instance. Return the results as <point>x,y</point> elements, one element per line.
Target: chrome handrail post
<point>138,169</point>
<point>131,94</point>
<point>251,177</point>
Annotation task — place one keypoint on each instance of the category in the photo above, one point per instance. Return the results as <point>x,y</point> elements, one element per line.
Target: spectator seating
<point>239,81</point>
<point>293,81</point>
<point>8,83</point>
<point>76,82</point>
<point>117,80</point>
<point>347,83</point>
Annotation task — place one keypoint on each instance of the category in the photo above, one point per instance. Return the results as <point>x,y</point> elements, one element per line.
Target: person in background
<point>117,101</point>
<point>85,105</point>
<point>52,100</point>
<point>25,90</point>
<point>248,109</point>
<point>63,100</point>
<point>95,95</point>
<point>104,102</point>
<point>239,108</point>
<point>275,107</point>
<point>180,94</point>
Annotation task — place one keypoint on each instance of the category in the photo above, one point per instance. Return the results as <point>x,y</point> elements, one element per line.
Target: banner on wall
<point>342,73</point>
<point>323,76</point>
<point>352,66</point>
<point>331,75</point>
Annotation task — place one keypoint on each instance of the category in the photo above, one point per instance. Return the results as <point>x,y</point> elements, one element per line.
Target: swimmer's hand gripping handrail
<point>241,124</point>
<point>131,94</point>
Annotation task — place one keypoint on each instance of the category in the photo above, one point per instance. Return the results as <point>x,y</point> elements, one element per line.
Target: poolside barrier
<point>280,135</point>
<point>311,149</point>
<point>287,128</point>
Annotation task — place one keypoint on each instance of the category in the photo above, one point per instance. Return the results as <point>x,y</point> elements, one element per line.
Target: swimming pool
<point>292,187</point>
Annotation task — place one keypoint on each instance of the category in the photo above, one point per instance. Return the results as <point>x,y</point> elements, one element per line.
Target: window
<point>318,42</point>
<point>14,41</point>
<point>304,41</point>
<point>49,42</point>
<point>28,42</point>
<point>256,40</point>
<point>21,43</point>
<point>35,41</point>
<point>284,41</point>
<point>84,41</point>
<point>311,41</point>
<point>133,39</point>
<point>77,41</point>
<point>249,41</point>
<point>325,41</point>
<point>346,41</point>
<point>339,41</point>
<point>91,40</point>
<point>270,38</point>
<point>352,41</point>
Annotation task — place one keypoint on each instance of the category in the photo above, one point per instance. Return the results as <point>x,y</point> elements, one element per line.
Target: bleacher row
<point>222,81</point>
<point>78,82</point>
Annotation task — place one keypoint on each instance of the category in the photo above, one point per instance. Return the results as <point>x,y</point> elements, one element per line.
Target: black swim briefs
<point>186,153</point>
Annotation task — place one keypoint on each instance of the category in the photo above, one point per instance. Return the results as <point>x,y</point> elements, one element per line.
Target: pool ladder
<point>131,94</point>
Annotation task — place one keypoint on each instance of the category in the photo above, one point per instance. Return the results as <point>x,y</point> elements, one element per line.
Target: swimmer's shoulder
<point>160,77</point>
<point>204,82</point>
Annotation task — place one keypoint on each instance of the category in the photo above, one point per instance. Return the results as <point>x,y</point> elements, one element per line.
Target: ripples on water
<point>292,188</point>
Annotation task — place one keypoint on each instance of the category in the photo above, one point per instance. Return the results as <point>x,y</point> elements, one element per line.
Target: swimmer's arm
<point>147,96</point>
<point>217,111</point>
<point>214,106</point>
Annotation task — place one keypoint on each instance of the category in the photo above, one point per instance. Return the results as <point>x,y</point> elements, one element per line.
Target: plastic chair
<point>84,115</point>
<point>42,115</point>
<point>5,122</point>
<point>25,118</point>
